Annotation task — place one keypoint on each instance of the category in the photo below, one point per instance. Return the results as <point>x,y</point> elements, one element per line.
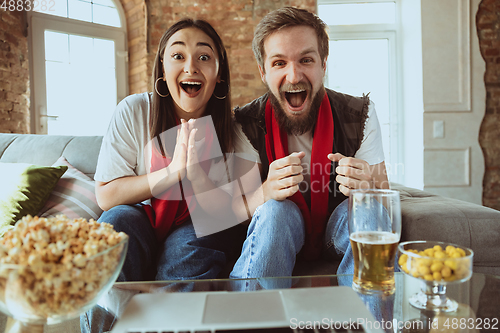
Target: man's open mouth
<point>191,87</point>
<point>296,98</point>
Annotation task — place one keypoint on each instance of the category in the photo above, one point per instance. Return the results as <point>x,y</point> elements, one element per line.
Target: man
<point>296,199</point>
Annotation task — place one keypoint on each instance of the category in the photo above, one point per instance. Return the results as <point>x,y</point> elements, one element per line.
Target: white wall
<point>413,107</point>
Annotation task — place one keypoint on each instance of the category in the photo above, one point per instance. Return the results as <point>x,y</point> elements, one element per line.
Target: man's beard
<point>302,124</point>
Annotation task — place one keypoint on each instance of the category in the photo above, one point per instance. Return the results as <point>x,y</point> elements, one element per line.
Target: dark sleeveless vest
<point>349,117</point>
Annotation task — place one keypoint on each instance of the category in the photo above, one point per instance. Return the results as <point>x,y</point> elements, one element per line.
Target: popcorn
<point>58,271</point>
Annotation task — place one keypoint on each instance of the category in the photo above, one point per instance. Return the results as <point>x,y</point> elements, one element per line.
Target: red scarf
<point>277,147</point>
<point>171,207</point>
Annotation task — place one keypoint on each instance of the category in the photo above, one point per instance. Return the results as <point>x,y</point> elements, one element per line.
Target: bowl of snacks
<point>436,264</point>
<point>54,269</point>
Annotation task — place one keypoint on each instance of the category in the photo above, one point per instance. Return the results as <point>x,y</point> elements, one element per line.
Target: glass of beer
<point>374,232</point>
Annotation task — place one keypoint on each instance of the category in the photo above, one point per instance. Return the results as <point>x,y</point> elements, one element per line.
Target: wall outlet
<point>438,129</point>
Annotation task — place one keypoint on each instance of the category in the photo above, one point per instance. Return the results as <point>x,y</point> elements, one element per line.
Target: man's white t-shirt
<point>124,149</point>
<point>370,150</point>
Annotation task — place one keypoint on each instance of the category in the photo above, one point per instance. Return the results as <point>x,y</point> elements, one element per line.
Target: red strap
<point>277,147</point>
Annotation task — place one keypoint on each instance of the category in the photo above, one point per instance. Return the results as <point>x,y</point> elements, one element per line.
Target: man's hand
<point>352,173</point>
<point>284,177</point>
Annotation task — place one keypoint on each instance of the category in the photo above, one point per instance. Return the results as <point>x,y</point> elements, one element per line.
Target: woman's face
<point>190,68</point>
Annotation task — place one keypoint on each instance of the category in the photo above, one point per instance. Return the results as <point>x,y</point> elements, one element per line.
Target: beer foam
<point>375,237</point>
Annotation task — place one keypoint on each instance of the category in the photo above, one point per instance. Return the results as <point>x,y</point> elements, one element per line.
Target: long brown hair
<point>162,115</point>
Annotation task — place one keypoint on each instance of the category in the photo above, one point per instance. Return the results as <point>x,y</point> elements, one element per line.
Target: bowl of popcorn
<point>54,269</point>
<point>436,264</point>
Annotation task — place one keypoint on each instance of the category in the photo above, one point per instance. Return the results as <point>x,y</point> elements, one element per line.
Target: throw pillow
<point>73,195</point>
<point>24,190</point>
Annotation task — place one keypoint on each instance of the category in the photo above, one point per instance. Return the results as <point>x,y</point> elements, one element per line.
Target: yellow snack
<point>428,277</point>
<point>429,252</point>
<point>446,272</point>
<point>452,264</point>
<point>450,248</point>
<point>424,270</point>
<point>402,259</point>
<point>439,255</point>
<point>436,266</point>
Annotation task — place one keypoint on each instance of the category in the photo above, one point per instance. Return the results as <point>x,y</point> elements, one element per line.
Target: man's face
<point>294,71</point>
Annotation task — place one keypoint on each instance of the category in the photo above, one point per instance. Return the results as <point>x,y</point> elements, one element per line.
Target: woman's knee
<point>125,217</point>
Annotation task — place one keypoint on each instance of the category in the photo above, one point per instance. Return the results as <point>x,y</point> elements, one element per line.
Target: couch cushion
<point>25,189</point>
<point>73,195</point>
<point>428,216</point>
<point>81,151</point>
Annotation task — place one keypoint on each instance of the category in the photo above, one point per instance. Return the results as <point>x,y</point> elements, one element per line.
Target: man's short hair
<point>288,17</point>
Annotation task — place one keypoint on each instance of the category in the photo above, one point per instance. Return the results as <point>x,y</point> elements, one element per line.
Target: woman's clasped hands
<point>185,158</point>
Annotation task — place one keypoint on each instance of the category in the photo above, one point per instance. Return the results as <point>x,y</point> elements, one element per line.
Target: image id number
<point>28,5</point>
<point>471,323</point>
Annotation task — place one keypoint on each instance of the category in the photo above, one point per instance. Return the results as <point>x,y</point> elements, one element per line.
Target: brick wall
<point>136,16</point>
<point>14,73</point>
<point>488,28</point>
<point>234,21</point>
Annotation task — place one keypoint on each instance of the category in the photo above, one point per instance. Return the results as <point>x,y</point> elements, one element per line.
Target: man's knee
<point>337,229</point>
<point>279,213</point>
<point>340,212</point>
<point>279,209</point>
<point>277,220</point>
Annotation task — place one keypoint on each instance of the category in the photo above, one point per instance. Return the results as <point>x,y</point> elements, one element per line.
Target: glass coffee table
<point>478,311</point>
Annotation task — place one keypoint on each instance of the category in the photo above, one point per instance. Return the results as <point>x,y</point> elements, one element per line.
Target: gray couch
<point>425,216</point>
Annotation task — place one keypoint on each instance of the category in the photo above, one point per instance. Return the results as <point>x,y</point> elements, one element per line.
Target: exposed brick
<point>14,72</point>
<point>491,52</point>
<point>6,105</point>
<point>10,18</point>
<point>489,34</point>
<point>488,17</point>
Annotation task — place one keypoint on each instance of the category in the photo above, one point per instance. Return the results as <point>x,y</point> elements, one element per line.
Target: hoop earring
<point>221,98</point>
<point>156,88</point>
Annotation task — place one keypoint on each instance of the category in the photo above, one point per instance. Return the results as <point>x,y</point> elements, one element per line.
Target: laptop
<point>320,309</point>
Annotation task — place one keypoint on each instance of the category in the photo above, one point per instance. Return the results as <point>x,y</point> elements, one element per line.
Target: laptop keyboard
<point>358,329</point>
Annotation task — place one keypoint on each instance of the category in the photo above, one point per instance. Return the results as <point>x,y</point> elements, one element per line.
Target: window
<point>363,59</point>
<point>78,66</point>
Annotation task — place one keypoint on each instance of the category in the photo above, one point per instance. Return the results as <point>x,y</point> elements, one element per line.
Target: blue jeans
<point>181,256</point>
<point>276,235</point>
<point>337,241</point>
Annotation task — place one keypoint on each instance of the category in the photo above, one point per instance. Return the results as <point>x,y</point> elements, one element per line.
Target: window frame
<point>391,32</point>
<point>38,24</point>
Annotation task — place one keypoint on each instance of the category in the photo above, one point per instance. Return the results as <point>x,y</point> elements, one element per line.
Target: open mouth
<point>191,87</point>
<point>296,98</point>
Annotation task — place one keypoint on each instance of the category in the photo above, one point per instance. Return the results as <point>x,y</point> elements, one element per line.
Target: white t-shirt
<point>370,150</point>
<point>123,150</point>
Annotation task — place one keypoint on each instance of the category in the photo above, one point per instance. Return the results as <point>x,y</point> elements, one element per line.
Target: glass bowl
<point>50,293</point>
<point>436,264</point>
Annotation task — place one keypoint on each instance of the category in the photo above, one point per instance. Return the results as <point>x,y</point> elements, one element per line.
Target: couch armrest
<point>428,216</point>
<point>80,151</point>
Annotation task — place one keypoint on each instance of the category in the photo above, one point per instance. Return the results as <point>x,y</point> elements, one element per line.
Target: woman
<point>141,161</point>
